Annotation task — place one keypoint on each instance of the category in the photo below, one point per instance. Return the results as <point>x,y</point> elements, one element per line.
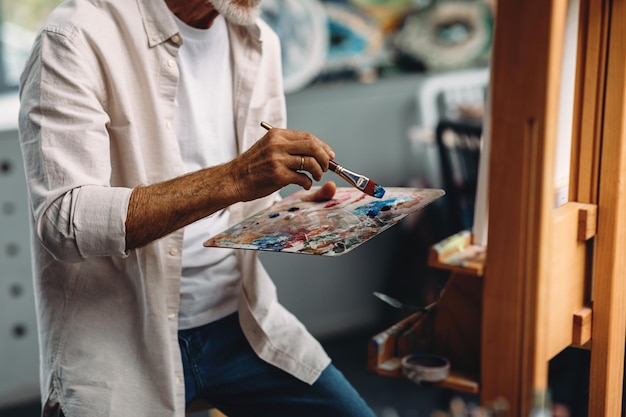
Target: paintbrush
<point>361,182</point>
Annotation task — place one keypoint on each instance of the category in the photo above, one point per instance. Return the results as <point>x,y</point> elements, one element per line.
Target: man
<point>139,127</point>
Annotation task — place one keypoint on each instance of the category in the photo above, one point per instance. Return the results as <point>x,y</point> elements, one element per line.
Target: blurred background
<point>397,88</point>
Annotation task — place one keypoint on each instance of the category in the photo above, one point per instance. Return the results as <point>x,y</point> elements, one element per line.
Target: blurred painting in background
<point>324,40</point>
<point>366,39</point>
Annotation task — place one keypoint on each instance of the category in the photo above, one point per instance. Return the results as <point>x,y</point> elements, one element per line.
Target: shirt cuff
<point>100,221</point>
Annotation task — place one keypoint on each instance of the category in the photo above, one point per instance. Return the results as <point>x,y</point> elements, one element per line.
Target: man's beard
<point>240,12</point>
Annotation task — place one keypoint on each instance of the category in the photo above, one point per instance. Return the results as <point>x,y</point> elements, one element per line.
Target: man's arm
<point>272,163</point>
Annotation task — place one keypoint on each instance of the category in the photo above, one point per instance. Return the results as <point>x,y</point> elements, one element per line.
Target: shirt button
<point>171,63</point>
<point>176,39</point>
<point>168,125</point>
<point>178,380</point>
<point>171,315</point>
<point>155,37</point>
<point>173,251</point>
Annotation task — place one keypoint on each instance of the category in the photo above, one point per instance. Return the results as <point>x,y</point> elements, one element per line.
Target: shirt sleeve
<point>66,150</point>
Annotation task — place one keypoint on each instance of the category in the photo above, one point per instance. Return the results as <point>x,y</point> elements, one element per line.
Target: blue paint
<point>276,242</point>
<point>379,191</point>
<point>273,215</point>
<point>374,208</point>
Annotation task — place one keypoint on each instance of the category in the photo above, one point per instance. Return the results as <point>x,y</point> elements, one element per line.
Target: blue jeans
<point>221,367</point>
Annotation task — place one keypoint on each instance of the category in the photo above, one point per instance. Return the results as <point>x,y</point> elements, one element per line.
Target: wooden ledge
<point>384,359</point>
<point>457,253</point>
<point>460,382</point>
<point>581,332</point>
<point>587,221</point>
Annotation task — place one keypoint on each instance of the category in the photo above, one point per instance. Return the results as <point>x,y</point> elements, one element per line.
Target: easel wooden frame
<point>538,271</point>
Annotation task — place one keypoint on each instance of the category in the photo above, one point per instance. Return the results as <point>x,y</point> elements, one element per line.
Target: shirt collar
<point>160,26</point>
<point>157,21</point>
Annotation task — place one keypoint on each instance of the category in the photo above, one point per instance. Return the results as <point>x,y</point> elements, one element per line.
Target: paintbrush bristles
<point>374,189</point>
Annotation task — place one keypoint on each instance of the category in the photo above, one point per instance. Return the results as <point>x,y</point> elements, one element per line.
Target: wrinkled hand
<point>280,158</point>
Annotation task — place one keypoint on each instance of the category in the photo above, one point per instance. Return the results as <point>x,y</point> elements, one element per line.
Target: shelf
<point>451,327</point>
<point>457,254</point>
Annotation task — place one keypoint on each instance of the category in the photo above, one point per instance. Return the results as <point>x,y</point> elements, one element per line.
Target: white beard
<point>239,12</point>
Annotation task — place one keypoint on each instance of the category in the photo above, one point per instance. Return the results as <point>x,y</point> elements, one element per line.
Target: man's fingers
<point>324,193</point>
<point>311,165</point>
<point>298,143</point>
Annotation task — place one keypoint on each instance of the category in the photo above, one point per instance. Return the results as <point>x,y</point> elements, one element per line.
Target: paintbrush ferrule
<point>359,181</point>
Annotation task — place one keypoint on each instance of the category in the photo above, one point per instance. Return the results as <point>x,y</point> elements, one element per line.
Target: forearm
<point>273,162</point>
<point>159,209</point>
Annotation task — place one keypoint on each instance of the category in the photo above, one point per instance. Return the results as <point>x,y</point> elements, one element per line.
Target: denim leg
<point>190,381</point>
<point>225,371</point>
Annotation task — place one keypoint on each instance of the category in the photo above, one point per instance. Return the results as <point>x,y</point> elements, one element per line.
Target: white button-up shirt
<point>97,101</point>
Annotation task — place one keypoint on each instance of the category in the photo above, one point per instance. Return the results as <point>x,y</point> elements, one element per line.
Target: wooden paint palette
<point>328,228</point>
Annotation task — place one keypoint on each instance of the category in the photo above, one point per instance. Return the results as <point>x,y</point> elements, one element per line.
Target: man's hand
<point>279,158</point>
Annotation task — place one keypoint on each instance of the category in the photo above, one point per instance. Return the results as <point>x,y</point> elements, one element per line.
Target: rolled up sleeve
<point>85,222</point>
<point>66,149</point>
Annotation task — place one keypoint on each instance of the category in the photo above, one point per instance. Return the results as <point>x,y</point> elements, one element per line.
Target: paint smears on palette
<point>329,228</point>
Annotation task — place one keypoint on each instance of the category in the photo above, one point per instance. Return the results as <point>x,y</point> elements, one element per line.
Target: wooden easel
<point>546,279</point>
<point>552,276</point>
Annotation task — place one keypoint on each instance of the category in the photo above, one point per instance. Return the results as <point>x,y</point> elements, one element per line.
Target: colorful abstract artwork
<point>328,228</point>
